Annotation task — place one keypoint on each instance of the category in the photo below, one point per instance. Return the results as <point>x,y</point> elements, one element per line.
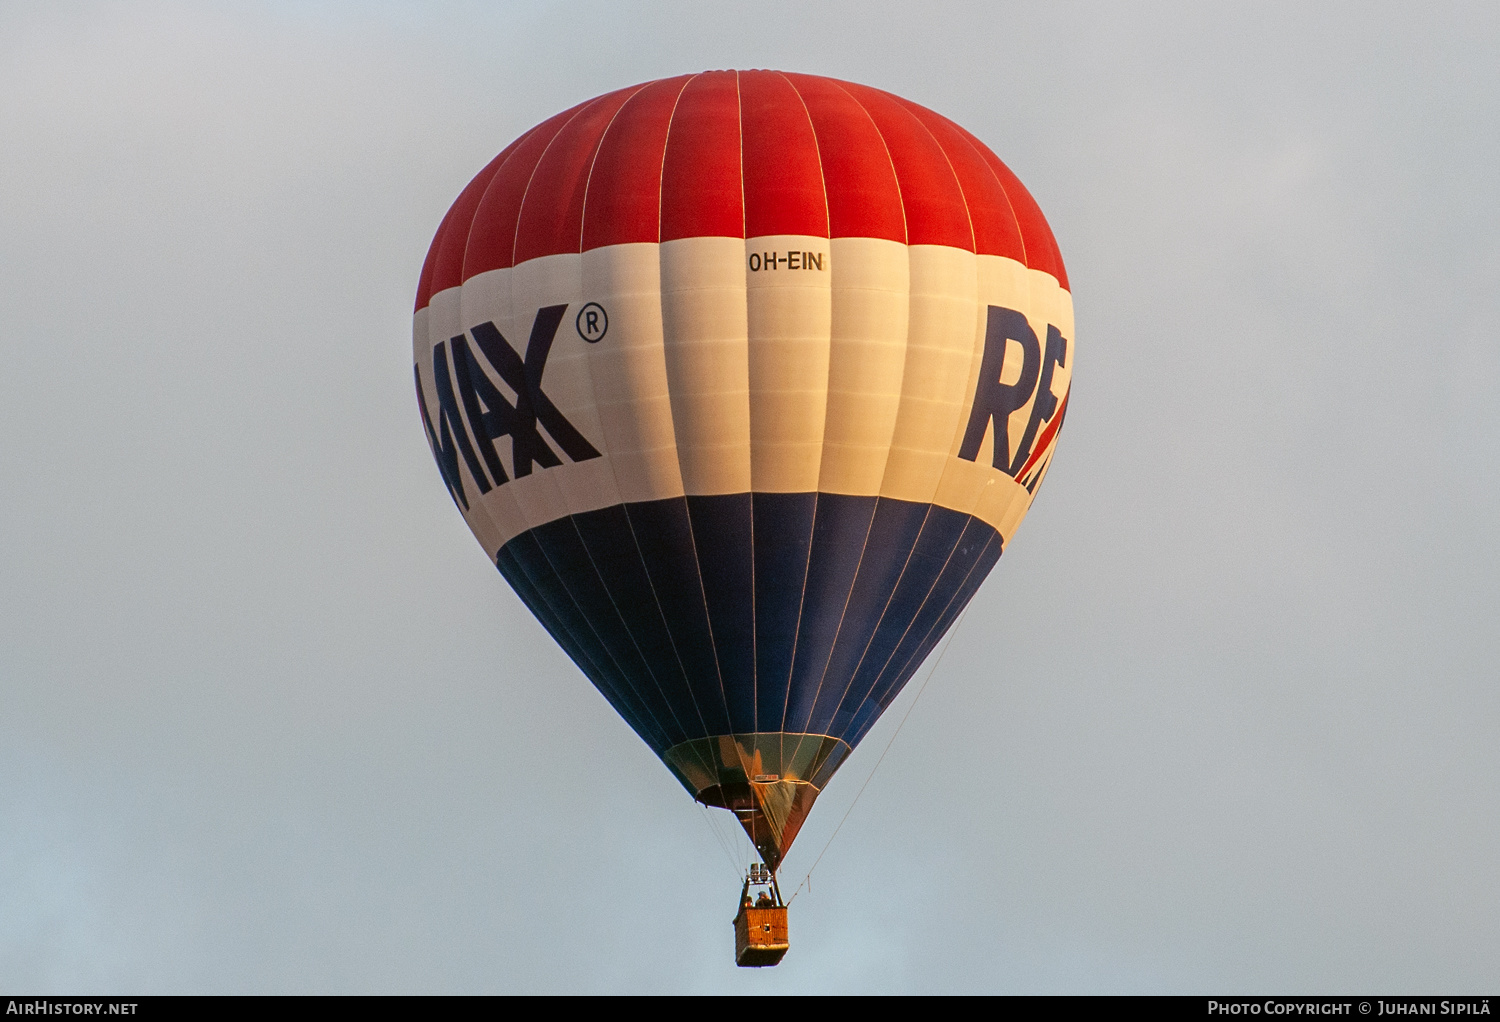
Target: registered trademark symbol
<point>592,322</point>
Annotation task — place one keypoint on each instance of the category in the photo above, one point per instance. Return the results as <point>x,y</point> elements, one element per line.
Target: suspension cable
<point>807,880</point>
<point>724,846</point>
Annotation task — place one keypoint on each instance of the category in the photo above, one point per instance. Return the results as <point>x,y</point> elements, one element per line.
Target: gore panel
<point>1041,246</point>
<point>490,240</point>
<point>551,215</point>
<point>694,614</point>
<point>929,555</point>
<point>511,569</point>
<point>564,549</point>
<point>977,553</point>
<point>723,530</point>
<point>664,536</point>
<point>840,528</point>
<point>893,532</point>
<point>704,155</point>
<point>864,200</point>
<point>783,178</point>
<point>995,229</point>
<point>911,648</point>
<point>586,649</point>
<point>623,203</point>
<point>610,542</point>
<point>701,192</point>
<point>935,210</point>
<point>873,707</point>
<point>783,533</point>
<point>424,282</point>
<point>453,238</point>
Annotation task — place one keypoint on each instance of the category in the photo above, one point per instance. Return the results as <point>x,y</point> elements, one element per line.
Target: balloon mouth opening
<point>723,769</point>
<point>737,798</point>
<point>769,780</point>
<point>771,813</point>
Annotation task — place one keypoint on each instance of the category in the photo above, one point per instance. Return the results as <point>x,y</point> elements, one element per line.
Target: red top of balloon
<point>740,154</point>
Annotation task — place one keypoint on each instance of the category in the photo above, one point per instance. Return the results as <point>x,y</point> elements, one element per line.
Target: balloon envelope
<point>743,380</point>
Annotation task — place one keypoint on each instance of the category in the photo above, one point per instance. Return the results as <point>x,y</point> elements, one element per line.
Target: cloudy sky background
<point>1223,719</point>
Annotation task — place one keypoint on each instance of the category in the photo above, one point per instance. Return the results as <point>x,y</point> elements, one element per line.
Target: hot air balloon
<point>743,380</point>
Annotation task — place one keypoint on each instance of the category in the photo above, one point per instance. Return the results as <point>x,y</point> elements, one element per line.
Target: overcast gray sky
<point>1223,719</point>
